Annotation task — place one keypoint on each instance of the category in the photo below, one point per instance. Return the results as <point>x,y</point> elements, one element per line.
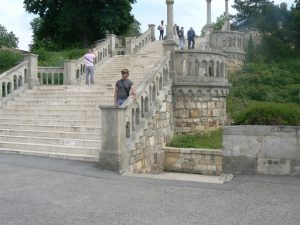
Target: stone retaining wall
<point>191,160</point>
<point>273,150</point>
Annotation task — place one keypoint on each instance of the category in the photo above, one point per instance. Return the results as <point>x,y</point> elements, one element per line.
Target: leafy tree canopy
<point>69,23</point>
<point>8,39</point>
<point>280,27</point>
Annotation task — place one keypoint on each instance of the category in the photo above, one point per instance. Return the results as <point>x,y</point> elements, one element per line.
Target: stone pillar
<point>70,72</point>
<point>112,154</point>
<point>226,26</point>
<point>112,44</point>
<point>226,8</point>
<point>32,77</point>
<point>208,10</point>
<point>130,44</point>
<point>152,28</point>
<point>170,44</point>
<point>170,22</point>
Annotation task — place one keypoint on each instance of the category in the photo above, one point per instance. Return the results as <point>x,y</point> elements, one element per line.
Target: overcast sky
<point>187,13</point>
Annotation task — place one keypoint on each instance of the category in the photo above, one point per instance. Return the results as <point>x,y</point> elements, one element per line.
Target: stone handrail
<point>124,126</point>
<point>13,80</point>
<point>133,44</point>
<point>50,75</point>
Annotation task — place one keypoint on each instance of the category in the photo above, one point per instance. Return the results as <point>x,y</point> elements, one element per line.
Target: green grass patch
<point>211,140</point>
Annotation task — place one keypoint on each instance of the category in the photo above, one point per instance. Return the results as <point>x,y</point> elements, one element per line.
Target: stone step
<point>50,148</point>
<point>52,107</point>
<point>56,155</point>
<point>62,98</point>
<point>58,128</point>
<point>51,111</point>
<point>72,103</point>
<point>51,141</point>
<point>51,122</point>
<point>51,134</point>
<point>53,117</point>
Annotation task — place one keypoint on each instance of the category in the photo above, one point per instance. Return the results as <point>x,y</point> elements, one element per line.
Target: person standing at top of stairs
<point>89,66</point>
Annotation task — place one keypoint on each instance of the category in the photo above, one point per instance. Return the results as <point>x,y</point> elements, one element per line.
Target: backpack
<point>158,28</point>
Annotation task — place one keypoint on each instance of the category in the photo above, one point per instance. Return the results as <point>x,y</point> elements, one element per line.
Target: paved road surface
<point>41,191</point>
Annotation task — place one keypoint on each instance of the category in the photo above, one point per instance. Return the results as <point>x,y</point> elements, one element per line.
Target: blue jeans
<point>89,71</point>
<point>120,101</point>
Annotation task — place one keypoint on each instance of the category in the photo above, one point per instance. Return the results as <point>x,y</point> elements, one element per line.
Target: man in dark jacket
<point>191,38</point>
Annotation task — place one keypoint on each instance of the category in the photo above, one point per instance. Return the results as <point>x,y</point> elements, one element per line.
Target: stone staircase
<point>65,121</point>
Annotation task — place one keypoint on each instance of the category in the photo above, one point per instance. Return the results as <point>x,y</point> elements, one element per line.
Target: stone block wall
<point>194,113</point>
<point>188,160</point>
<point>147,156</point>
<point>273,150</point>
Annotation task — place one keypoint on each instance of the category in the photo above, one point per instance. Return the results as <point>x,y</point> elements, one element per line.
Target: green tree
<point>280,27</point>
<point>219,24</point>
<point>8,39</point>
<point>248,12</point>
<point>69,23</point>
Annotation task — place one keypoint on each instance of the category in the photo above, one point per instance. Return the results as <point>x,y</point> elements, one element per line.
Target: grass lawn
<point>211,140</point>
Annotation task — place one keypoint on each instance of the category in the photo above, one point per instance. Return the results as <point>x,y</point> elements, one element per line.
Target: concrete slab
<point>186,177</point>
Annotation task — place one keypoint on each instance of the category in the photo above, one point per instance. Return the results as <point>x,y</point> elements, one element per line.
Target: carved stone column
<point>170,22</point>
<point>208,10</point>
<point>170,44</point>
<point>226,26</point>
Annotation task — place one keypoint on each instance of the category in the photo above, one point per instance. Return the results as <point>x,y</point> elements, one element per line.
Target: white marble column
<point>226,9</point>
<point>226,26</point>
<point>170,22</point>
<point>208,9</point>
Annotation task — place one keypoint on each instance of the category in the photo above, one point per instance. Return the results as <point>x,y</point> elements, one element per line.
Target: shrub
<point>270,114</point>
<point>8,60</point>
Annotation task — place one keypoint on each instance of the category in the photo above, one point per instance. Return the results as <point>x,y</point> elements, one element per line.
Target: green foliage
<point>266,93</point>
<point>211,140</point>
<point>57,58</point>
<point>72,23</point>
<point>8,59</point>
<point>279,26</point>
<point>219,24</point>
<point>265,113</point>
<point>271,82</point>
<point>8,39</point>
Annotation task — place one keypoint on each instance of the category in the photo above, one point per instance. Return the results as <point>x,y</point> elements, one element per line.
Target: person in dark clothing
<point>191,38</point>
<point>181,38</point>
<point>123,88</point>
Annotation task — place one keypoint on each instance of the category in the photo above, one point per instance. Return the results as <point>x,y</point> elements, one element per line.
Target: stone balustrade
<point>133,44</point>
<point>18,78</point>
<point>134,132</point>
<point>13,79</point>
<point>198,66</point>
<point>51,75</point>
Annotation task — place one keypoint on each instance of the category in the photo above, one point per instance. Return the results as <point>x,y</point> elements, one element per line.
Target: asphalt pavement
<point>43,191</point>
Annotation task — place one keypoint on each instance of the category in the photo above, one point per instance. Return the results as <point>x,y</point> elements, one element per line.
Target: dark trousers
<point>191,41</point>
<point>161,35</point>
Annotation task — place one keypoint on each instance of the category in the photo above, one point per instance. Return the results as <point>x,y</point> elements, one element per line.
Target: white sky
<point>187,13</point>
